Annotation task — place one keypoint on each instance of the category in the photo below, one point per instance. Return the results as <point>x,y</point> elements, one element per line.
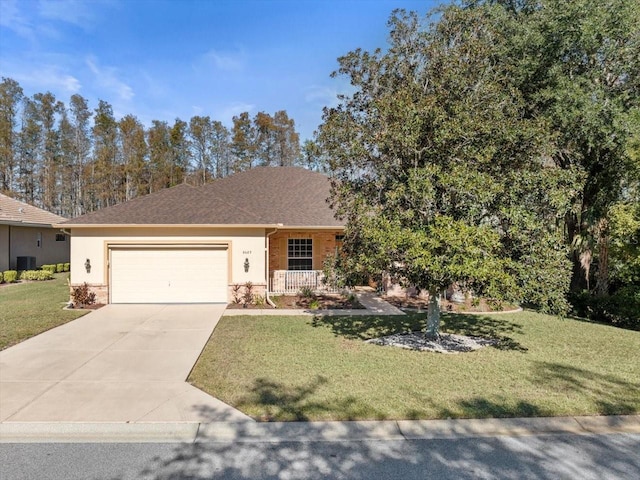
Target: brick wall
<point>324,244</point>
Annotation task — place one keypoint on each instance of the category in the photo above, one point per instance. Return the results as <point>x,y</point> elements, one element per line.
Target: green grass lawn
<point>27,309</point>
<point>304,368</point>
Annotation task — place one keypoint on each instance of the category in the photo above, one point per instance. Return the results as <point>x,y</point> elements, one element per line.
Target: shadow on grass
<point>368,327</point>
<point>501,329</point>
<point>280,402</point>
<point>611,395</point>
<point>478,407</point>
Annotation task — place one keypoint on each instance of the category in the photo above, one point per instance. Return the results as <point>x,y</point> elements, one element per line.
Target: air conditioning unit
<point>26,263</point>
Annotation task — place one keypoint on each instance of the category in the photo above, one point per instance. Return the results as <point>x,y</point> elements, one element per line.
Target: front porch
<point>291,282</point>
<point>296,258</point>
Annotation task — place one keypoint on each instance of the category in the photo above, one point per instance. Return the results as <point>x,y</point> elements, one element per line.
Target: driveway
<point>121,363</point>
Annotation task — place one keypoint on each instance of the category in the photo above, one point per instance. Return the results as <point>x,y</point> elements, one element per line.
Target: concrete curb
<point>247,432</point>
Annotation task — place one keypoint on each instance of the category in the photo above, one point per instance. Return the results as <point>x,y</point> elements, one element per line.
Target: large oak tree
<point>442,168</point>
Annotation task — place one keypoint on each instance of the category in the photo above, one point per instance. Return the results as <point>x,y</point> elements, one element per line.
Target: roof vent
<point>21,210</point>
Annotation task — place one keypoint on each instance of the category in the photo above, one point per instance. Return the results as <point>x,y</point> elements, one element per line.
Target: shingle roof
<point>15,212</point>
<point>291,196</point>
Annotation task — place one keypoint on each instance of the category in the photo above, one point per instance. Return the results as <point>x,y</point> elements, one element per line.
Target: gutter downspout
<point>266,252</point>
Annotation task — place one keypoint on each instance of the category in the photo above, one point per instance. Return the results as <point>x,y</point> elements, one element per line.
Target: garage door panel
<point>168,275</point>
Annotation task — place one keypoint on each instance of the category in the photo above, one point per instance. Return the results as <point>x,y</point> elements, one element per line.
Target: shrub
<point>82,295</point>
<point>259,300</point>
<point>10,276</point>
<point>236,293</point>
<point>247,296</point>
<point>67,267</point>
<point>37,275</point>
<point>49,268</point>
<point>306,292</point>
<point>314,304</point>
<point>350,297</point>
<point>59,267</point>
<point>621,309</point>
<point>1,278</point>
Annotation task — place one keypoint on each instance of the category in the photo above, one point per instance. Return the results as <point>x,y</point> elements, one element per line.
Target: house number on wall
<point>246,252</point>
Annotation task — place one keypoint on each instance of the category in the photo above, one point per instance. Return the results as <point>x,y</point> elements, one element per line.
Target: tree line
<point>70,159</point>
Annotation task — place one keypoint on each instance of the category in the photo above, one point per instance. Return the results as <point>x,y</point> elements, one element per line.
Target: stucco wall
<point>4,248</point>
<point>93,244</point>
<point>323,241</point>
<point>17,241</point>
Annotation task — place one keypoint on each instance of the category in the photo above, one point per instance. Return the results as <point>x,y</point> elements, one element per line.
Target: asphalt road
<point>559,456</point>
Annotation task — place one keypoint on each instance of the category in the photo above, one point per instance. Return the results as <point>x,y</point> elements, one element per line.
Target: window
<point>339,241</point>
<point>300,254</point>
<point>60,237</point>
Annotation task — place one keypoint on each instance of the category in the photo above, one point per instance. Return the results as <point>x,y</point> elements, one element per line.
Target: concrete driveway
<point>121,363</point>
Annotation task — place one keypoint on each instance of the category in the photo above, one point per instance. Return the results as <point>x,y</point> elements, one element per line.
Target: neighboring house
<point>271,226</point>
<point>28,238</point>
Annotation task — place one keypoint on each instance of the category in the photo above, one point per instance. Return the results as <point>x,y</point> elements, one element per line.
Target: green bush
<point>621,309</point>
<point>59,268</point>
<point>1,278</point>
<point>67,267</point>
<point>37,275</point>
<point>306,292</point>
<point>49,268</point>
<point>10,276</point>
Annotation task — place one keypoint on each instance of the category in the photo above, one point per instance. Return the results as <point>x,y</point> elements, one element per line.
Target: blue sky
<point>163,59</point>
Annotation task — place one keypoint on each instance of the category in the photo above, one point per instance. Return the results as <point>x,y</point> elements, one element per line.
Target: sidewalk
<point>248,432</point>
<point>373,305</point>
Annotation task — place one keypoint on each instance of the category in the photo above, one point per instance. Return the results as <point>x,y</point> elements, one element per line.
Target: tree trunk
<point>602,278</point>
<point>433,315</point>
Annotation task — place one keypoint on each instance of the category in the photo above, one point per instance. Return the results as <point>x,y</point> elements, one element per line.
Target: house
<point>271,226</point>
<point>28,238</point>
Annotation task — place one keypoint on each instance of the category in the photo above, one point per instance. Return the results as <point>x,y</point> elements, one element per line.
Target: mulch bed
<point>294,302</point>
<point>446,343</point>
<point>421,303</point>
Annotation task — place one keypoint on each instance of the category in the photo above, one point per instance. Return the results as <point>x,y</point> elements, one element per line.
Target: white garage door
<point>168,275</point>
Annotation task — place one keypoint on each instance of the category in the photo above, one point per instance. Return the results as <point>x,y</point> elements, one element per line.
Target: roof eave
<point>17,223</point>
<point>70,226</point>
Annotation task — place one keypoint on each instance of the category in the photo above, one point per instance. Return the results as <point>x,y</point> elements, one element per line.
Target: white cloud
<point>225,61</point>
<point>81,13</point>
<point>227,112</point>
<point>321,94</point>
<point>13,19</point>
<point>45,78</point>
<point>107,77</point>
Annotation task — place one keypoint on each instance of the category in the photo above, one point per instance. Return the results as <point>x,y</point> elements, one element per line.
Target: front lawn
<point>30,308</point>
<point>319,368</point>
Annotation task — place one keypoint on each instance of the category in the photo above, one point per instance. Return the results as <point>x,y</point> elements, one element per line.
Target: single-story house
<point>271,226</point>
<point>28,238</point>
